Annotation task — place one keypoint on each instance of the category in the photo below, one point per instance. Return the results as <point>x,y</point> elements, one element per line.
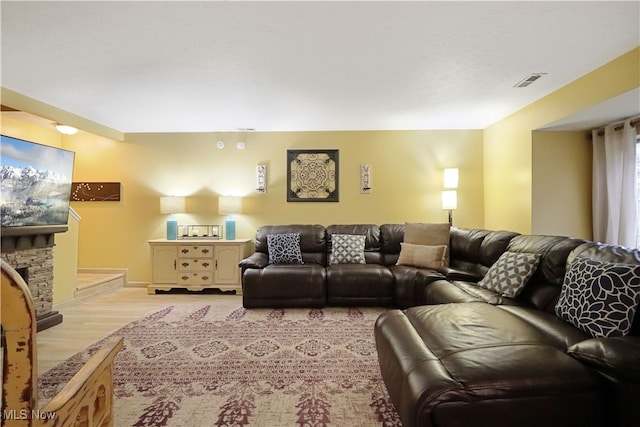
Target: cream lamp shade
<point>450,178</point>
<point>449,199</point>
<point>172,204</point>
<point>229,205</point>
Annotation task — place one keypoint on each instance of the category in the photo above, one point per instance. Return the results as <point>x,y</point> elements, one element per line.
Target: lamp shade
<point>451,178</point>
<point>172,204</point>
<point>229,205</point>
<point>449,199</point>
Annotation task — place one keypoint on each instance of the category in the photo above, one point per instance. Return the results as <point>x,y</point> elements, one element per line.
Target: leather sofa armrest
<point>255,260</point>
<point>619,356</point>
<point>461,275</point>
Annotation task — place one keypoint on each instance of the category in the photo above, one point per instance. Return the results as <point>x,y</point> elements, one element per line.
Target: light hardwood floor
<point>87,321</point>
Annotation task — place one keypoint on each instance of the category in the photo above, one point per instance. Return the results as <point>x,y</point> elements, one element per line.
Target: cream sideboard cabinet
<point>197,264</point>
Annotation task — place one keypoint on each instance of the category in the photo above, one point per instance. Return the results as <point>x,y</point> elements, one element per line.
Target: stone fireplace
<point>30,253</point>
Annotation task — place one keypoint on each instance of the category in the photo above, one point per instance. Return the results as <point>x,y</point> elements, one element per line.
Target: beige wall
<point>512,171</point>
<point>406,183</point>
<point>561,184</point>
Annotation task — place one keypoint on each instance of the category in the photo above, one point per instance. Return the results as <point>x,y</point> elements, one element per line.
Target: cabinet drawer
<point>195,264</point>
<point>193,251</point>
<point>195,278</point>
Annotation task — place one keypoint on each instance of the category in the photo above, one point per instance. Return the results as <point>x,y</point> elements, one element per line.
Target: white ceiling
<point>173,66</point>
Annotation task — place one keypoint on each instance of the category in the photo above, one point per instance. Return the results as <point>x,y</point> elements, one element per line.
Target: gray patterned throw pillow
<point>601,298</point>
<point>347,249</point>
<point>510,273</point>
<point>284,248</point>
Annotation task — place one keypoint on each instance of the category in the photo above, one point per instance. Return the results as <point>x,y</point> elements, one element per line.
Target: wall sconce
<point>450,195</point>
<point>365,179</point>
<point>66,129</point>
<point>261,179</point>
<point>172,205</point>
<point>229,205</point>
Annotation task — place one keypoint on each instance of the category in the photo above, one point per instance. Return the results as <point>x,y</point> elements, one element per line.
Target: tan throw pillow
<point>419,233</point>
<point>421,255</point>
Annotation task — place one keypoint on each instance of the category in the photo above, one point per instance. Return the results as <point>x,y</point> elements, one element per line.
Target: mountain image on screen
<point>33,197</point>
<point>35,184</point>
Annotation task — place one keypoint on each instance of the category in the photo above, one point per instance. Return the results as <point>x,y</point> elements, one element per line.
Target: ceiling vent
<point>529,79</point>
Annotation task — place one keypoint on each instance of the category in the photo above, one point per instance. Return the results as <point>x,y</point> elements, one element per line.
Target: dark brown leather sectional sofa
<point>453,353</point>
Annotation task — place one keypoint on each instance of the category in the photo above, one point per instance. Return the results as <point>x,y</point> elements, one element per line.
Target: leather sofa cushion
<point>543,288</point>
<point>447,291</point>
<point>359,284</point>
<point>391,235</point>
<point>474,251</point>
<point>312,240</point>
<point>410,283</point>
<point>615,356</point>
<point>285,285</point>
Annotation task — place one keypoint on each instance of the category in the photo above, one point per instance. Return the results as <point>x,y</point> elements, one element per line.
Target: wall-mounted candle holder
<point>365,179</point>
<point>261,179</point>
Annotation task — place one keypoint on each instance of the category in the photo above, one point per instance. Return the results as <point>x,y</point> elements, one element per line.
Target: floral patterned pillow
<point>601,298</point>
<point>284,248</point>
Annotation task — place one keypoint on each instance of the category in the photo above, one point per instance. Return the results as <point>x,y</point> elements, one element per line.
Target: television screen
<point>35,183</point>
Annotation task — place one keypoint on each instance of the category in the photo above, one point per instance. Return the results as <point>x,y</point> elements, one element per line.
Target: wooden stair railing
<point>85,401</point>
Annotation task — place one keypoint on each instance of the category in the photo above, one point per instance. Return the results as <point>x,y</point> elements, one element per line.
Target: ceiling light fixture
<point>66,129</point>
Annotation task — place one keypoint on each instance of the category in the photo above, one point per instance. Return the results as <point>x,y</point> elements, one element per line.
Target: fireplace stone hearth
<point>31,255</point>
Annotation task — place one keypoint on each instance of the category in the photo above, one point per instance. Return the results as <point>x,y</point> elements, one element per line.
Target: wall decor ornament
<point>261,179</point>
<point>312,175</point>
<point>95,191</point>
<point>365,179</point>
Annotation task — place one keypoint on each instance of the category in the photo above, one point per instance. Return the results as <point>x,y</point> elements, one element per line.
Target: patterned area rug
<point>206,365</point>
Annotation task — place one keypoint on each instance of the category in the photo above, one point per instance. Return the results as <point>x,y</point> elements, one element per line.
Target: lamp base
<point>172,229</point>
<point>230,226</point>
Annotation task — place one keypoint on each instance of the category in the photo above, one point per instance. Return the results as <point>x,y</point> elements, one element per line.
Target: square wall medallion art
<point>312,175</point>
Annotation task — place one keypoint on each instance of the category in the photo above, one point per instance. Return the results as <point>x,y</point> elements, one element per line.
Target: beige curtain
<point>615,205</point>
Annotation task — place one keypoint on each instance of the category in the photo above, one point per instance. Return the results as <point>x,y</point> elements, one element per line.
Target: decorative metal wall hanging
<point>95,191</point>
<point>312,176</point>
<point>365,179</point>
<point>261,179</point>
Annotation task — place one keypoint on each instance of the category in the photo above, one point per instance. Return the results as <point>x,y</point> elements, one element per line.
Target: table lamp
<point>172,205</point>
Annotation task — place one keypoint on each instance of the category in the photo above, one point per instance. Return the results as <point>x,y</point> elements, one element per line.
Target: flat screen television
<point>35,185</point>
